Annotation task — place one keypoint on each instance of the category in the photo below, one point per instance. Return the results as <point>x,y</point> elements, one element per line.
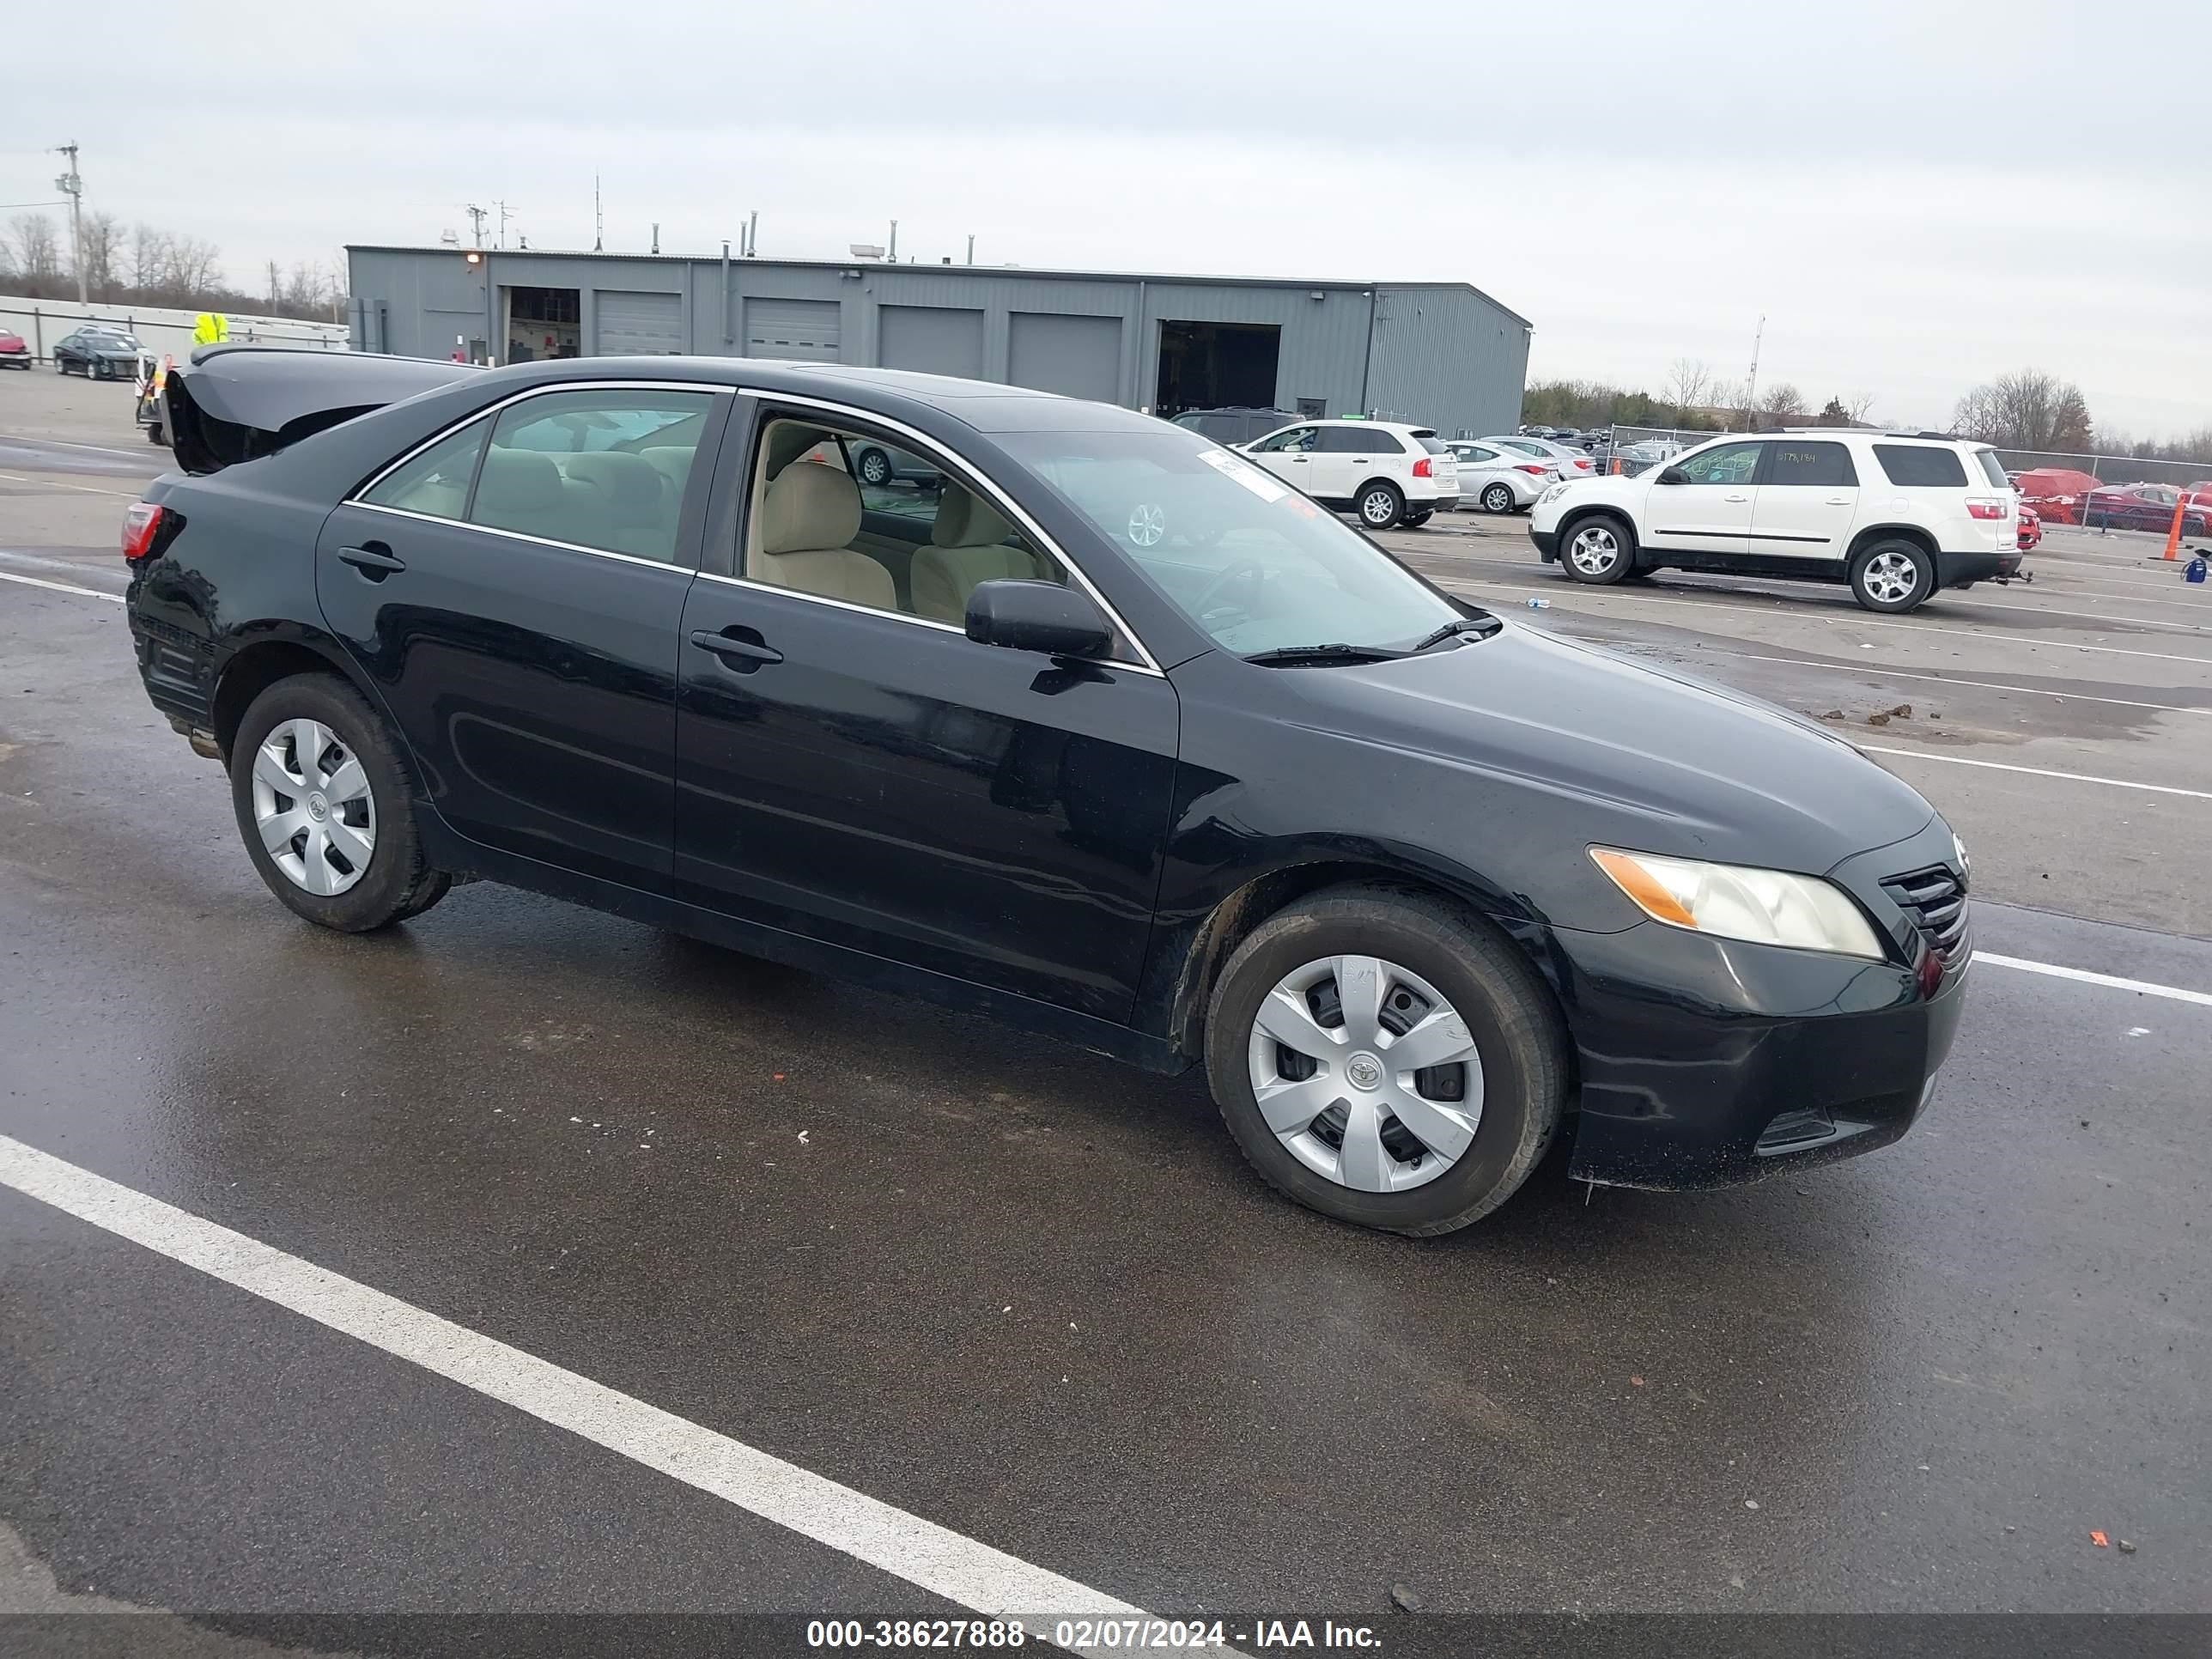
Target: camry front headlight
<point>1763,906</point>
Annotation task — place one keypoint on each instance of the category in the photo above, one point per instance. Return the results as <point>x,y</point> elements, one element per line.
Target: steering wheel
<point>1250,571</point>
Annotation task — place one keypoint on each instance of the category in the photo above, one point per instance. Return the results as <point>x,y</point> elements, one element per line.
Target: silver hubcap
<point>313,807</point>
<point>1366,1074</point>
<point>1594,550</point>
<point>1891,577</point>
<point>1498,498</point>
<point>1378,507</point>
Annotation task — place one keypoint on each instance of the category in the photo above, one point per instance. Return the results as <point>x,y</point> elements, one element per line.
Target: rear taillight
<point>139,525</point>
<point>1584,465</point>
<point>1978,508</point>
<point>1423,470</point>
<point>1533,472</point>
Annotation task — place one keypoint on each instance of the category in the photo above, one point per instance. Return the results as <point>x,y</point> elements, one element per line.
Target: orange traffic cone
<point>1615,468</point>
<point>2173,535</point>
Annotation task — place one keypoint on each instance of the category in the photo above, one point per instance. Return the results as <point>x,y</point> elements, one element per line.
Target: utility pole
<point>476,218</point>
<point>1751,389</point>
<point>598,219</point>
<point>752,235</point>
<point>73,187</point>
<point>504,216</point>
<point>971,247</point>
<point>894,249</point>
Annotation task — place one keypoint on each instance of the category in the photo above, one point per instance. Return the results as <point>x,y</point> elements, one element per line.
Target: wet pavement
<point>1035,1297</point>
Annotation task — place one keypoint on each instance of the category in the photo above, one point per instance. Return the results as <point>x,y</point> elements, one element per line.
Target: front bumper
<point>1952,569</point>
<point>1547,544</point>
<point>1705,1062</point>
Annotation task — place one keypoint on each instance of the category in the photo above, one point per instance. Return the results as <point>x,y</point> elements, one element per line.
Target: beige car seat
<point>967,546</point>
<point>809,514</point>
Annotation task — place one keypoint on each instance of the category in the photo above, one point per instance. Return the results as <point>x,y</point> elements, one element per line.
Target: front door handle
<point>1736,498</point>
<point>1839,500</point>
<point>744,656</point>
<point>374,561</point>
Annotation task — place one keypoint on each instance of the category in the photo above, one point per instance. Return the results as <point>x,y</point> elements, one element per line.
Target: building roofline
<point>1337,284</point>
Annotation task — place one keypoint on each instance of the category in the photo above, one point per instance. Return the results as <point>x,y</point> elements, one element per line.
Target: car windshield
<point>1252,562</point>
<point>113,342</point>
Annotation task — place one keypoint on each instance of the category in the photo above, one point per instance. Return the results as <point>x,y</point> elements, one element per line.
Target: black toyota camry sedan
<point>1112,735</point>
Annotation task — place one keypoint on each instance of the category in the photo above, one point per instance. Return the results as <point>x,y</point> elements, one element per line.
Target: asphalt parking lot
<point>1031,1297</point>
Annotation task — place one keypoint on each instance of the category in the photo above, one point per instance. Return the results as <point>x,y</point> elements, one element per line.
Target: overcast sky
<point>1916,196</point>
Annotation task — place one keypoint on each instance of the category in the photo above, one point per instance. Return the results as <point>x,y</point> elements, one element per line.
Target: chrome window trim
<point>524,536</point>
<point>491,411</point>
<point>965,470</point>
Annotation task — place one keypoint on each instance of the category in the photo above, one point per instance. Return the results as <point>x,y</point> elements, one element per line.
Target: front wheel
<point>1380,505</point>
<point>1599,551</point>
<point>874,467</point>
<point>326,807</point>
<point>1893,576</point>
<point>1497,498</point>
<point>1384,1057</point>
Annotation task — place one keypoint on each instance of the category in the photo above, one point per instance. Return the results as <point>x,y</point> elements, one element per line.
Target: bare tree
<point>1689,383</point>
<point>1857,404</point>
<point>1782,403</point>
<point>148,259</point>
<point>32,248</point>
<point>101,249</point>
<point>2029,410</point>
<point>193,266</point>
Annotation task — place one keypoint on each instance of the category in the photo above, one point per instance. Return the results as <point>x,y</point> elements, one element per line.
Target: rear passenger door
<point>1808,498</point>
<point>514,591</point>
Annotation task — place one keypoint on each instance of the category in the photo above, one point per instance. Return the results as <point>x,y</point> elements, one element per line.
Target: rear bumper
<point>1547,544</point>
<point>1952,569</point>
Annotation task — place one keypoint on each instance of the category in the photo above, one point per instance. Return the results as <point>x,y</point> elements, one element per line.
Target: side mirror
<point>1672,475</point>
<point>1034,615</point>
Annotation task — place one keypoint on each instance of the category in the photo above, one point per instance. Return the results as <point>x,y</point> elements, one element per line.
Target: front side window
<point>597,468</point>
<point>1254,563</point>
<point>436,482</point>
<point>1826,465</point>
<point>1296,441</point>
<point>1726,463</point>
<point>917,545</point>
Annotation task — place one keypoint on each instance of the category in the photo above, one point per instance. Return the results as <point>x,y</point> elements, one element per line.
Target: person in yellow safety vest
<point>212,328</point>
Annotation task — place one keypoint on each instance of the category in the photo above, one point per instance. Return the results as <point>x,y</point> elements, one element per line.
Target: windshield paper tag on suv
<point>1263,485</point>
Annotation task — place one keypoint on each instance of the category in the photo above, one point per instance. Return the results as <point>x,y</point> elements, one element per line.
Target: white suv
<point>1386,473</point>
<point>1897,515</point>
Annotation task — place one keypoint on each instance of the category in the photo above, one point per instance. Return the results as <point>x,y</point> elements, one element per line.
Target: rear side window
<point>1822,464</point>
<point>600,469</point>
<point>436,482</point>
<point>1343,440</point>
<point>1993,469</point>
<point>1428,441</point>
<point>1913,467</point>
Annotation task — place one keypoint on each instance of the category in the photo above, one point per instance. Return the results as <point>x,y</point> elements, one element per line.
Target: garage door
<point>802,330</point>
<point>935,339</point>
<point>639,325</point>
<point>1075,356</point>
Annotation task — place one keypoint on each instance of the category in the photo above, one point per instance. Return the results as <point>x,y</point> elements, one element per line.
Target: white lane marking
<point>1872,672</point>
<point>64,443</point>
<point>2142,986</point>
<point>2034,771</point>
<point>1782,608</point>
<point>89,489</point>
<point>60,587</point>
<point>943,1562</point>
<point>2092,616</point>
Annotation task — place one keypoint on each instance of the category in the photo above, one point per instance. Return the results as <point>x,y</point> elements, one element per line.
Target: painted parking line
<point>64,443</point>
<point>2140,987</point>
<point>2034,771</point>
<point>89,489</point>
<point>934,1558</point>
<point>60,587</point>
<point>1869,672</point>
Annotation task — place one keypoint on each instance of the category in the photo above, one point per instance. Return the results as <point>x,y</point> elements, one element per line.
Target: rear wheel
<point>326,807</point>
<point>1385,1058</point>
<point>1893,576</point>
<point>1379,505</point>
<point>1598,551</point>
<point>874,467</point>
<point>1497,498</point>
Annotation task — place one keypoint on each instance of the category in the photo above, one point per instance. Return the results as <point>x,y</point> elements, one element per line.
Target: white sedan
<point>1500,480</point>
<point>1571,462</point>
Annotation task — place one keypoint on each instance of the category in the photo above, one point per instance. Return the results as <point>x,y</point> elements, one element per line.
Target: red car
<point>15,353</point>
<point>2031,527</point>
<point>2141,506</point>
<point>2056,492</point>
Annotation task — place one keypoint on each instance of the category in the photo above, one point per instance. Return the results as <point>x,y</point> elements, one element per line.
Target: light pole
<point>73,187</point>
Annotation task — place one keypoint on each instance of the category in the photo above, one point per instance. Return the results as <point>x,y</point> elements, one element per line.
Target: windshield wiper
<point>1480,628</point>
<point>1335,653</point>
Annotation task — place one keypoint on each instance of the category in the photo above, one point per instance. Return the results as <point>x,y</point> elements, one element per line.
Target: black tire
<point>153,433</point>
<point>1874,575</point>
<point>1498,498</point>
<point>1379,505</point>
<point>1415,520</point>
<point>397,882</point>
<point>1510,1012</point>
<point>1598,550</point>
<point>873,467</point>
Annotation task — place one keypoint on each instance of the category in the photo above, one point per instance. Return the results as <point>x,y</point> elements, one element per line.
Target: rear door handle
<point>1736,498</point>
<point>725,646</point>
<point>375,560</point>
<point>1839,500</point>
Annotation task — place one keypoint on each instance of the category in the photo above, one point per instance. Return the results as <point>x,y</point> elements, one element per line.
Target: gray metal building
<point>1443,354</point>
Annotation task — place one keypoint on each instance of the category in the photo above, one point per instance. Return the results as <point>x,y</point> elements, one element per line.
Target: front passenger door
<point>1288,454</point>
<point>1711,510</point>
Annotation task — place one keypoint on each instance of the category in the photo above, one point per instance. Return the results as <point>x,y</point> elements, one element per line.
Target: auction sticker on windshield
<point>1262,484</point>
